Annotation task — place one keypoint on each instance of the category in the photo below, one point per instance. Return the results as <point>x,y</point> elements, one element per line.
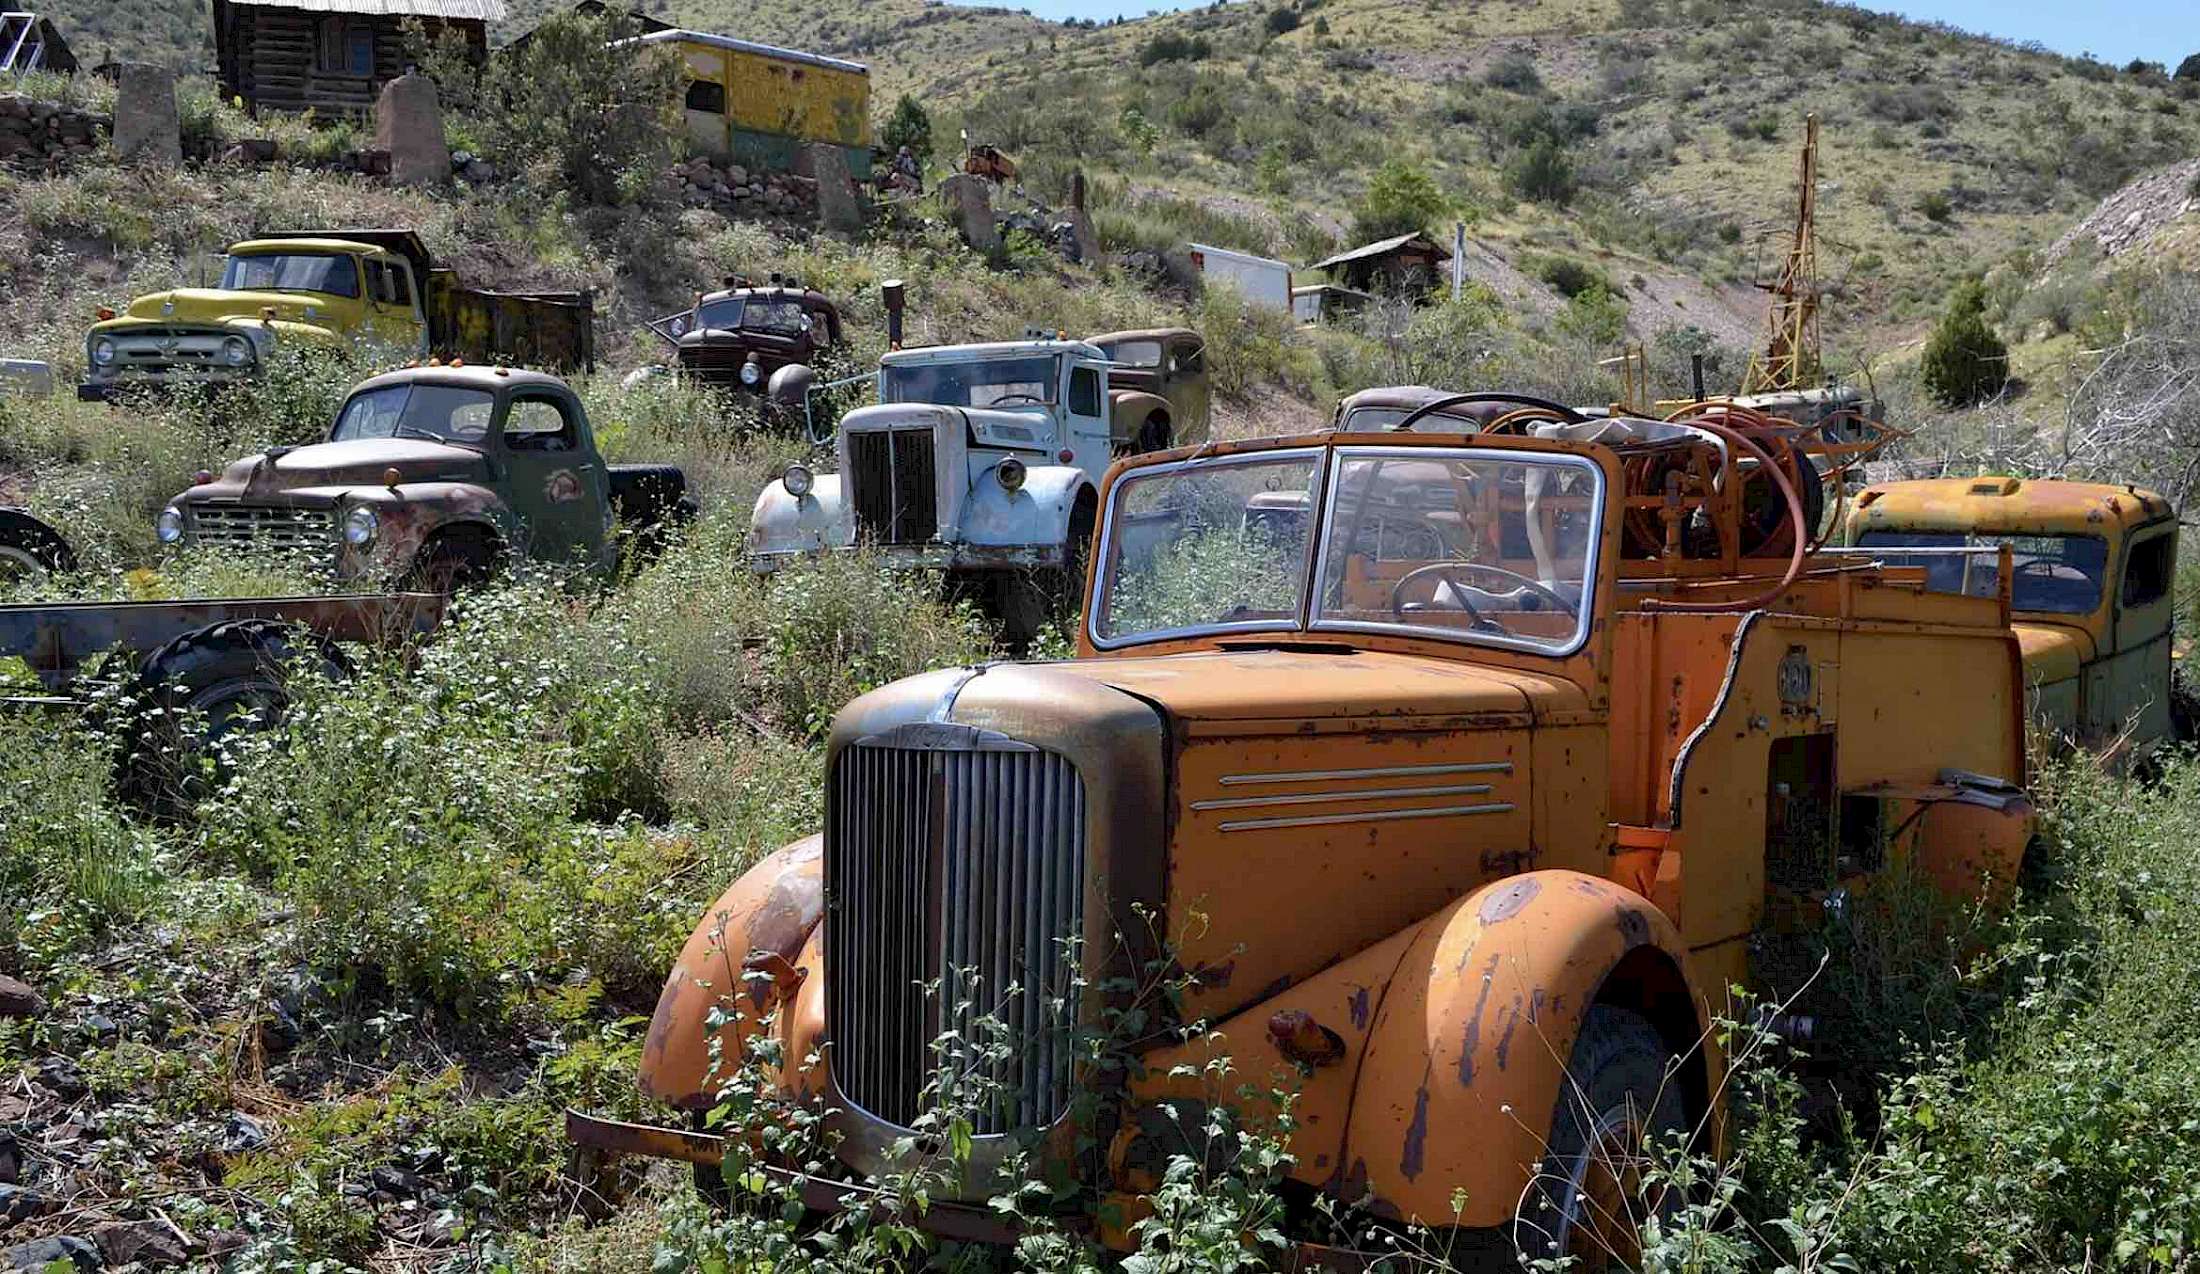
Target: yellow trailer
<point>757,103</point>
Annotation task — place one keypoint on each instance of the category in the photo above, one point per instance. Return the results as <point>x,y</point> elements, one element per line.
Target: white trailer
<point>1260,280</point>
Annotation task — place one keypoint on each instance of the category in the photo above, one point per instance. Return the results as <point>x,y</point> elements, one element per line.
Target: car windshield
<point>1369,420</point>
<point>783,318</point>
<point>1145,354</point>
<point>2056,574</point>
<point>723,314</point>
<point>329,273</point>
<point>993,382</point>
<point>1473,545</point>
<point>437,413</point>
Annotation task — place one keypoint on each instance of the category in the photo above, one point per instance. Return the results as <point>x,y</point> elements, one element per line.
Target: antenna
<point>1790,358</point>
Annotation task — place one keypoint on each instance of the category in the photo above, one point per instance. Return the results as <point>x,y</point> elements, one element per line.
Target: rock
<point>11,1159</point>
<point>395,1181</point>
<point>1083,238</point>
<point>408,123</point>
<point>18,1204</point>
<point>19,999</point>
<point>33,1257</point>
<point>736,175</point>
<point>481,172</point>
<point>222,1242</point>
<point>146,127</point>
<point>839,207</point>
<point>64,1077</point>
<point>100,1026</point>
<point>461,158</point>
<point>148,1243</point>
<point>242,1134</point>
<point>969,201</point>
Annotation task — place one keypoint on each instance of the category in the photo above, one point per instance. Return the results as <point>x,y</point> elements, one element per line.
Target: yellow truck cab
<point>358,291</point>
<point>2091,567</point>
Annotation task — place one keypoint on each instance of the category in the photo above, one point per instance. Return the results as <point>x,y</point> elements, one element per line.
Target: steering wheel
<point>1004,399</point>
<point>1448,569</point>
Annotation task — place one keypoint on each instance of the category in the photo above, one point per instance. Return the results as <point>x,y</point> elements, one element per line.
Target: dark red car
<point>740,335</point>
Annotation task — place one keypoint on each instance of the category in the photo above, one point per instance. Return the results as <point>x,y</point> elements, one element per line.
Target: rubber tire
<point>211,671</point>
<point>454,562</point>
<point>1618,1058</point>
<point>30,549</point>
<point>1153,435</point>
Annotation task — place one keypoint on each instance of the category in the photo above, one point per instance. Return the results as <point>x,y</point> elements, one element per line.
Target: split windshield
<point>434,413</point>
<point>2055,574</point>
<point>329,273</point>
<point>994,382</point>
<point>1482,546</point>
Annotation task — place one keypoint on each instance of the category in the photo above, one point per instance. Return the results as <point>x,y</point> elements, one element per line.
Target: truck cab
<point>2091,568</point>
<point>1450,786</point>
<point>741,334</point>
<point>980,461</point>
<point>433,476</point>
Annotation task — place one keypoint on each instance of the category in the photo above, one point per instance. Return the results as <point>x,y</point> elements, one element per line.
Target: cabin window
<point>1084,392</point>
<point>346,47</point>
<point>2147,574</point>
<point>707,97</point>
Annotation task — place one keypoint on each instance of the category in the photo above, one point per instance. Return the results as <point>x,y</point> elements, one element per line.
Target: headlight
<point>103,351</point>
<point>361,525</point>
<point>750,374</point>
<point>797,479</point>
<point>168,527</point>
<point>1010,473</point>
<point>236,351</point>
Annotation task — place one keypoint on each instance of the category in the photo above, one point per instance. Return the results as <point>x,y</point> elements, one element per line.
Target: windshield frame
<point>1585,617</point>
<point>1104,561</point>
<point>234,260</point>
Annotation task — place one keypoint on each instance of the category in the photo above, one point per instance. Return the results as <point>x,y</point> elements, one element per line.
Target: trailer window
<point>704,96</point>
<point>780,318</point>
<point>2051,574</point>
<point>328,273</point>
<point>433,413</point>
<point>1135,353</point>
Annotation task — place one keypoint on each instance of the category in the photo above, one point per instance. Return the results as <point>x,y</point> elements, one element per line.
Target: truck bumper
<point>105,391</point>
<point>926,557</point>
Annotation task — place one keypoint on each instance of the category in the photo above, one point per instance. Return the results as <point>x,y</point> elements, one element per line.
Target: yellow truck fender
<point>762,925</point>
<point>1470,1043</point>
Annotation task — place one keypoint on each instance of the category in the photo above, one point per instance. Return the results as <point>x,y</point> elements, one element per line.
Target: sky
<point>2114,31</point>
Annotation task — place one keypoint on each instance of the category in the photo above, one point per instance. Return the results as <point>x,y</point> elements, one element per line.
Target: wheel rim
<point>1599,1223</point>
<point>18,564</point>
<point>229,705</point>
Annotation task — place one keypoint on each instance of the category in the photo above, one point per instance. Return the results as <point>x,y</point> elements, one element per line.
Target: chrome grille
<point>263,526</point>
<point>941,862</point>
<point>894,486</point>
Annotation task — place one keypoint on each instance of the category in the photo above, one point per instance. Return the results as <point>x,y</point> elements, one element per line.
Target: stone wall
<point>35,134</point>
<point>752,192</point>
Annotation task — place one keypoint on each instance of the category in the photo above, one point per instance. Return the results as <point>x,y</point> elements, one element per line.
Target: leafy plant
<point>1400,199</point>
<point>1964,361</point>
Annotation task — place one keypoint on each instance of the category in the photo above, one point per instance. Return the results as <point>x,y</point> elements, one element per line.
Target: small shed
<point>331,56</point>
<point>1404,265</point>
<point>759,104</point>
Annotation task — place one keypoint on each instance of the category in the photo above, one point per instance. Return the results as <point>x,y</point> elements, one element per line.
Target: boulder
<point>147,1243</point>
<point>19,999</point>
<point>970,202</point>
<point>37,1255</point>
<point>19,1204</point>
<point>839,207</point>
<point>146,127</point>
<point>408,123</point>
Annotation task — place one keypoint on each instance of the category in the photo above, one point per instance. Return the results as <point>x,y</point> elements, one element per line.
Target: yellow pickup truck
<point>362,292</point>
<point>2091,567</point>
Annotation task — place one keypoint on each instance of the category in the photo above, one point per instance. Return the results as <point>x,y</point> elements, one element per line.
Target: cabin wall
<point>293,60</point>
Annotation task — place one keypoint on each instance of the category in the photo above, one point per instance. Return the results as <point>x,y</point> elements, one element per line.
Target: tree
<point>2189,69</point>
<point>1541,172</point>
<point>1400,199</point>
<point>909,126</point>
<point>1965,363</point>
<point>583,114</point>
<point>1283,20</point>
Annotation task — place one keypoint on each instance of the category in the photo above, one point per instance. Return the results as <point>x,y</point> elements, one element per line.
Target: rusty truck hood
<point>1272,685</point>
<point>2052,652</point>
<point>364,462</point>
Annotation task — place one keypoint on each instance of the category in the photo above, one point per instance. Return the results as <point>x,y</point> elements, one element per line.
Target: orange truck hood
<point>2052,652</point>
<point>1296,685</point>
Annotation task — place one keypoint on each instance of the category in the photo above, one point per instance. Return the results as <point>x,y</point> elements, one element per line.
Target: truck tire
<point>1153,435</point>
<point>1028,602</point>
<point>30,549</point>
<point>1586,1202</point>
<point>454,562</point>
<point>193,692</point>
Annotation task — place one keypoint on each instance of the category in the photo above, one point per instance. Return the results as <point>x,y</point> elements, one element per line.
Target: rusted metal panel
<point>550,330</point>
<point>56,639</point>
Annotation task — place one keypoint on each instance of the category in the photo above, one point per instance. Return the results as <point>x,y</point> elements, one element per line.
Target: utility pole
<point>1458,259</point>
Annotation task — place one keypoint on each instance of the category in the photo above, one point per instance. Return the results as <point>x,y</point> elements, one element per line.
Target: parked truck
<point>435,477</point>
<point>2090,573</point>
<point>361,292</point>
<point>739,336</point>
<point>1450,794</point>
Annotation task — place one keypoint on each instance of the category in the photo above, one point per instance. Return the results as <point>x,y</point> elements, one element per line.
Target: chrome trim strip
<point>1376,772</point>
<point>1379,816</point>
<point>1319,798</point>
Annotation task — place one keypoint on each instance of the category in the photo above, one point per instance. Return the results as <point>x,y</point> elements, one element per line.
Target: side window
<point>1190,360</point>
<point>2151,566</point>
<point>400,283</point>
<point>707,97</point>
<point>378,287</point>
<point>1084,391</point>
<point>821,327</point>
<point>539,424</point>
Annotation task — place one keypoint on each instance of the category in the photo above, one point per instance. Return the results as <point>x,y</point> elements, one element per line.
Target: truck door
<point>1088,437</point>
<point>2132,677</point>
<point>393,315</point>
<point>555,481</point>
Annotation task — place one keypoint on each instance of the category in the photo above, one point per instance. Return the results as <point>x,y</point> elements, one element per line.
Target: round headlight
<point>751,373</point>
<point>236,351</point>
<point>798,480</point>
<point>168,527</point>
<point>1010,473</point>
<point>361,525</point>
<point>103,351</point>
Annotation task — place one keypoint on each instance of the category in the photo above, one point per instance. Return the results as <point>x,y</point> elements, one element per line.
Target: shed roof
<point>1384,247</point>
<point>461,10</point>
<point>681,35</point>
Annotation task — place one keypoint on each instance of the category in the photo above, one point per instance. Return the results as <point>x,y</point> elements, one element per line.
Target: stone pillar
<point>408,123</point>
<point>146,127</point>
<point>969,202</point>
<point>1080,221</point>
<point>839,207</point>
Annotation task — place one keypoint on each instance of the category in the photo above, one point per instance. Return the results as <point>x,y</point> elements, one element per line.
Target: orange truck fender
<point>751,952</point>
<point>1469,1048</point>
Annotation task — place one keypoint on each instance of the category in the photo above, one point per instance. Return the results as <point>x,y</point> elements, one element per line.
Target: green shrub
<point>1567,276</point>
<point>910,125</point>
<point>72,868</point>
<point>1543,173</point>
<point>1936,207</point>
<point>1964,362</point>
<point>1281,20</point>
<point>580,118</point>
<point>848,624</point>
<point>1169,46</point>
<point>1400,199</point>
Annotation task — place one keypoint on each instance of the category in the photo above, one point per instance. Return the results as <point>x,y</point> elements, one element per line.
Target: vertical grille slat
<point>942,864</point>
<point>896,493</point>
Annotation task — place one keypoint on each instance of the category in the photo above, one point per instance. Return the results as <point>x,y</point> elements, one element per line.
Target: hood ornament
<point>167,307</point>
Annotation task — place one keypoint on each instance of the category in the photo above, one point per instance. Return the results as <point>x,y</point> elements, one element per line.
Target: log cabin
<point>330,56</point>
